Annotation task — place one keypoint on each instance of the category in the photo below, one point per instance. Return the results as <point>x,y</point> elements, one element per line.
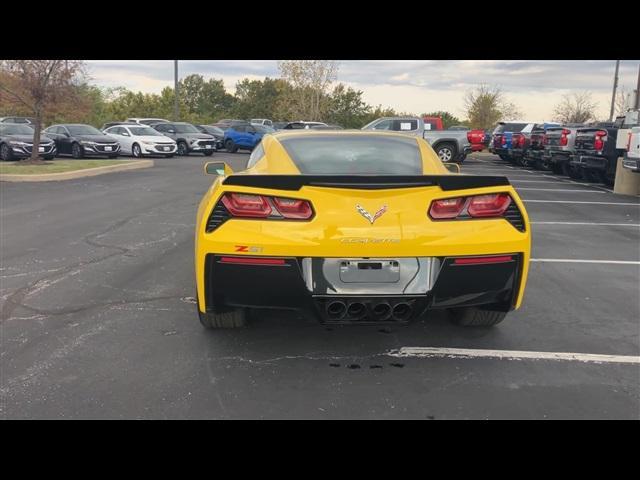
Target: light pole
<point>637,105</point>
<point>176,107</point>
<point>615,86</point>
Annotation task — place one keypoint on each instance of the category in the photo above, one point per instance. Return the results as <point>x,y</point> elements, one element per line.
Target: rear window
<point>353,155</point>
<point>510,127</point>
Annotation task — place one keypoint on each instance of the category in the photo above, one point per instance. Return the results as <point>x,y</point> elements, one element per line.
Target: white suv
<point>265,122</point>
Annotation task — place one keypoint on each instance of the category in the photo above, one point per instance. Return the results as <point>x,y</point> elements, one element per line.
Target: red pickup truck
<point>475,137</point>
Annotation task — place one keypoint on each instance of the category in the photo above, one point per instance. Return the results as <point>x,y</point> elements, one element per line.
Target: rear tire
<point>446,152</point>
<point>230,146</point>
<point>5,153</point>
<point>475,317</point>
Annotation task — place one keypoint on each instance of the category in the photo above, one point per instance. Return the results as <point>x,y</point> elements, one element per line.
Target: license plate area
<point>369,271</point>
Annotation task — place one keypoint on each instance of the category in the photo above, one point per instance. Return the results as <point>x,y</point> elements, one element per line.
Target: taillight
<point>491,205</point>
<point>244,205</point>
<point>292,208</point>
<point>564,137</point>
<point>447,208</point>
<point>517,140</point>
<point>262,206</point>
<point>598,143</point>
<point>504,140</point>
<point>478,206</point>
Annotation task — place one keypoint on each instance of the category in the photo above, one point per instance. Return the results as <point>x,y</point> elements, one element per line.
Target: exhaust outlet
<point>356,310</point>
<point>336,310</point>
<point>401,311</point>
<point>381,311</point>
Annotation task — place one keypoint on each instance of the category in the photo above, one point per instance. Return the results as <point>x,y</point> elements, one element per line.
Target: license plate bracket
<point>369,271</point>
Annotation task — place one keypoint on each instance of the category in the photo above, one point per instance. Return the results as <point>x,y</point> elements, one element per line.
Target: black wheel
<point>573,172</point>
<point>136,151</point>
<point>595,176</point>
<point>208,154</point>
<point>556,168</point>
<point>506,158</point>
<point>446,152</point>
<point>475,317</point>
<point>5,152</point>
<point>230,146</point>
<point>76,151</point>
<point>183,150</point>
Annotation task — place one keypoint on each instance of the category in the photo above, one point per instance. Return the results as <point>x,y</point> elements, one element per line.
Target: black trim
<point>365,182</point>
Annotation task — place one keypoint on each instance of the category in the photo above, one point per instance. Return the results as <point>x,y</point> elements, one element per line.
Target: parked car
<point>244,137</point>
<point>227,122</point>
<point>265,122</point>
<point>301,125</point>
<point>16,141</point>
<point>147,121</point>
<point>596,156</point>
<point>327,127</point>
<point>501,144</point>
<point>139,140</point>
<point>111,124</point>
<point>450,145</point>
<point>188,138</point>
<point>279,125</point>
<point>632,156</point>
<point>80,140</point>
<point>23,120</point>
<point>215,131</point>
<point>559,145</point>
<point>527,146</point>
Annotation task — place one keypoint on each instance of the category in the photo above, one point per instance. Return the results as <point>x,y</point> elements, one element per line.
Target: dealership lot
<point>98,316</point>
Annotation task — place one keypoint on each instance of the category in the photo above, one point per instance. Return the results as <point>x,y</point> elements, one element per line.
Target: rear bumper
<point>294,283</point>
<point>588,162</point>
<point>632,164</point>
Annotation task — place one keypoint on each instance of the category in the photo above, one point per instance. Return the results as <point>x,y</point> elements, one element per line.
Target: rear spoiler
<point>365,182</point>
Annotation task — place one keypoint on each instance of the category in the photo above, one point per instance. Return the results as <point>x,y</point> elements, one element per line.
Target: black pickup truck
<point>595,156</point>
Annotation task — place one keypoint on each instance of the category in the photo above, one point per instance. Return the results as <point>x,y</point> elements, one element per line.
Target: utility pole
<point>176,108</point>
<point>637,104</point>
<point>615,86</point>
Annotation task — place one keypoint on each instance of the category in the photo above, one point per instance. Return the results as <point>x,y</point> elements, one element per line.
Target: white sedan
<point>139,140</point>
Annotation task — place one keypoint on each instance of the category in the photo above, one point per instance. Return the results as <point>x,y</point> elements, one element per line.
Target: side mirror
<point>452,167</point>
<point>217,168</point>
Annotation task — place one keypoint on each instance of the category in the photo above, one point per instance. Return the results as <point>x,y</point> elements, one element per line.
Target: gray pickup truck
<point>450,145</point>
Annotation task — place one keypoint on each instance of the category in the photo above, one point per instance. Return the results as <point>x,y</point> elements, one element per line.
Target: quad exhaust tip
<point>401,311</point>
<point>336,310</point>
<point>376,311</point>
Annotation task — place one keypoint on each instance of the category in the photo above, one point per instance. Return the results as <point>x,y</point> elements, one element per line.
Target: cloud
<point>408,85</point>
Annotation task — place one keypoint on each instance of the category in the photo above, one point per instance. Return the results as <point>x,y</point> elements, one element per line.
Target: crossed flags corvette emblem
<point>368,216</point>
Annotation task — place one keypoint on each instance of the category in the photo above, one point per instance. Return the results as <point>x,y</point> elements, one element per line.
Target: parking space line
<point>579,260</point>
<point>636,225</point>
<point>430,352</point>
<point>586,203</point>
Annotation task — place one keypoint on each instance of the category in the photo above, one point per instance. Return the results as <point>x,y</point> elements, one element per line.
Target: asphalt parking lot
<point>98,317</point>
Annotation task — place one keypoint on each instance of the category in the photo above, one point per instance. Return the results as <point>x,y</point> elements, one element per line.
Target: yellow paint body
<point>405,230</point>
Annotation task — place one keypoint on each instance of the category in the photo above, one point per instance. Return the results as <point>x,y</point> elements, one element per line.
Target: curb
<point>87,172</point>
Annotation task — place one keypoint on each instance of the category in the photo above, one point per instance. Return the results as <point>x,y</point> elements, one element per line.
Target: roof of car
<point>337,133</point>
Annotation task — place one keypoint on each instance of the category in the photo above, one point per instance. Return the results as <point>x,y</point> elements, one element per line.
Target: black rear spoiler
<point>365,182</point>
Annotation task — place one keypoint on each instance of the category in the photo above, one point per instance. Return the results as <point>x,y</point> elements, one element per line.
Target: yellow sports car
<point>358,227</point>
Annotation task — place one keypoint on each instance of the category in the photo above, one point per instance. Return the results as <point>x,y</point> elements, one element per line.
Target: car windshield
<point>83,130</point>
<point>263,129</point>
<point>368,155</point>
<point>510,127</point>
<point>213,130</point>
<point>144,131</point>
<point>15,130</point>
<point>185,128</point>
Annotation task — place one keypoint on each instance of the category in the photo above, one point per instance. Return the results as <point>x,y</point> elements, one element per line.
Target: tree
<point>448,119</point>
<point>576,107</point>
<point>260,98</point>
<point>311,80</point>
<point>37,85</point>
<point>486,105</point>
<point>204,100</point>
<point>623,101</point>
<point>346,107</point>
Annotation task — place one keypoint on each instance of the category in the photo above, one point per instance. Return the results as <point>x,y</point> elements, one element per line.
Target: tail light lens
<point>262,206</point>
<point>447,208</point>
<point>292,208</point>
<point>503,140</point>
<point>492,205</point>
<point>243,205</point>
<point>478,206</point>
<point>564,138</point>
<point>598,143</point>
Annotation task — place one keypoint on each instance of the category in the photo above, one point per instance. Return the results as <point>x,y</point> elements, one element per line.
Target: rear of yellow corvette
<point>358,227</point>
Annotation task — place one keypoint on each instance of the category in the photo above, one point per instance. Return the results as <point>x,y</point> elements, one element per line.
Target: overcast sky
<point>413,86</point>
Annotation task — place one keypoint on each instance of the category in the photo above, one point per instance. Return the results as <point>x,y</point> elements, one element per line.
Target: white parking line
<point>635,225</point>
<point>563,190</point>
<point>578,260</point>
<point>586,203</point>
<point>430,352</point>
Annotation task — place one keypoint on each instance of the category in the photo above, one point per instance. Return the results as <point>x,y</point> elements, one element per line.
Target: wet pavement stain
<point>353,366</point>
<point>397,365</point>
